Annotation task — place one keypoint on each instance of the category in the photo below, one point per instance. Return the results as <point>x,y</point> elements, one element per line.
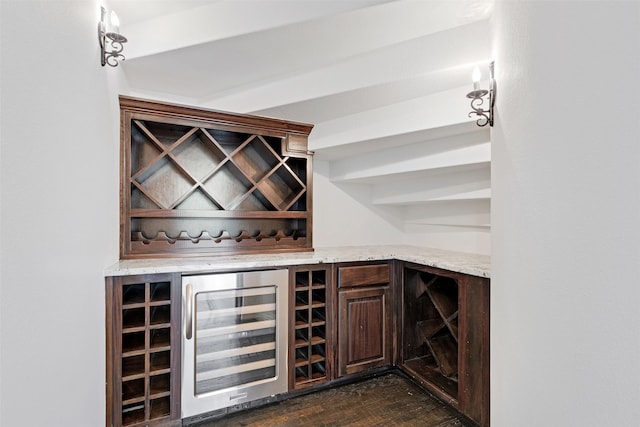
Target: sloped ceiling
<point>372,76</point>
<point>304,60</point>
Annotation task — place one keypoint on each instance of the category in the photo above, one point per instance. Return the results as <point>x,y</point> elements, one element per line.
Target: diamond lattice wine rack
<point>202,182</point>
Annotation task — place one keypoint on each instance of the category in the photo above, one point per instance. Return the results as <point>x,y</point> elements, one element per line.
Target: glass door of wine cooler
<point>235,333</point>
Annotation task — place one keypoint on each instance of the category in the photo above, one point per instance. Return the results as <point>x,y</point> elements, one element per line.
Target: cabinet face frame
<point>235,228</point>
<point>474,357</point>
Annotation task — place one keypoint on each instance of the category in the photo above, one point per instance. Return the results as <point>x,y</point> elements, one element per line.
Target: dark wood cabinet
<point>344,319</point>
<point>365,310</point>
<point>444,338</point>
<point>311,326</point>
<point>143,350</point>
<point>200,182</point>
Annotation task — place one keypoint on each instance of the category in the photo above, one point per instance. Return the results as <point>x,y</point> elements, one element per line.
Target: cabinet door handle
<point>189,312</point>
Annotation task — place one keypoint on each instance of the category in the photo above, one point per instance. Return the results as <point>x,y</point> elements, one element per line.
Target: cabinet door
<point>143,350</point>
<point>364,329</point>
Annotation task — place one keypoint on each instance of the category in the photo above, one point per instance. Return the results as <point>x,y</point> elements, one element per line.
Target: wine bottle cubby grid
<point>310,327</point>
<point>145,352</point>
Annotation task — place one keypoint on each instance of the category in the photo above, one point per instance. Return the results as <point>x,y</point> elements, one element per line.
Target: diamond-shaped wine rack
<point>198,187</point>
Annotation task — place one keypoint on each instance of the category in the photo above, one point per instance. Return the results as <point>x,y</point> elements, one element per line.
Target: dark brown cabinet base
<point>346,321</point>
<point>143,350</point>
<point>310,338</point>
<point>444,321</point>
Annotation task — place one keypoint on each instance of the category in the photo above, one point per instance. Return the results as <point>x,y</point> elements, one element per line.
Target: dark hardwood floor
<point>384,401</point>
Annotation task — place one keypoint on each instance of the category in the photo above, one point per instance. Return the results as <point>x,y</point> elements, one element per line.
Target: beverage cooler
<point>234,339</point>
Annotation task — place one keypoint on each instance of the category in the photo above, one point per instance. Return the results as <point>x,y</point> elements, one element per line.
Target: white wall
<point>565,313</point>
<point>475,240</point>
<point>344,216</point>
<point>59,226</point>
<point>565,322</point>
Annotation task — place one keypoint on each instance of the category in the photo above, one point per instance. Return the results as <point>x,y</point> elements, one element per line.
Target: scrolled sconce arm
<point>477,96</point>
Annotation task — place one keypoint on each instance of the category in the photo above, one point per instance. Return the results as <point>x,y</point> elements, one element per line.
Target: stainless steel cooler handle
<point>189,312</point>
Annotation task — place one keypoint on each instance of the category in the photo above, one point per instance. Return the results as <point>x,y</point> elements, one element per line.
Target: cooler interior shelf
<point>309,364</point>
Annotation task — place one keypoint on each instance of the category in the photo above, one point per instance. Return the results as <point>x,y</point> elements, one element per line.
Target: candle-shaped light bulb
<point>115,22</point>
<point>476,76</point>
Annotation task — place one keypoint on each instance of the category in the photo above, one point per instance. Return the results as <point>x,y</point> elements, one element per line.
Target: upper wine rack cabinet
<point>203,182</point>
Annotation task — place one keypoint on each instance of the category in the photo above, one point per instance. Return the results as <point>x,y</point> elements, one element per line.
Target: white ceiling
<point>318,61</point>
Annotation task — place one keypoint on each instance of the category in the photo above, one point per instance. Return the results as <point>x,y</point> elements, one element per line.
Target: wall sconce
<point>477,97</point>
<point>110,40</point>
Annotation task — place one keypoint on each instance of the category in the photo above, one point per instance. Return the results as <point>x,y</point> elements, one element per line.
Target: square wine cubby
<point>309,344</point>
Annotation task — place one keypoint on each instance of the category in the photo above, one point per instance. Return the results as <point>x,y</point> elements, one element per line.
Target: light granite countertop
<point>467,263</point>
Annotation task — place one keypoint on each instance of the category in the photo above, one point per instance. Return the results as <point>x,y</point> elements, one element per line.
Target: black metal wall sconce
<point>111,42</point>
<point>477,98</point>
